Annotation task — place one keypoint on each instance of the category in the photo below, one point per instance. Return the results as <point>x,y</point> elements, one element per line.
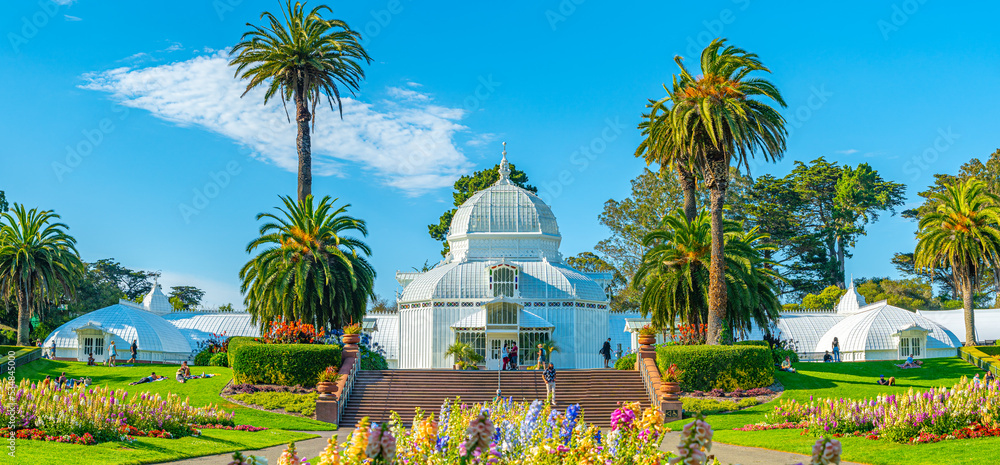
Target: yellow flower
<point>330,456</point>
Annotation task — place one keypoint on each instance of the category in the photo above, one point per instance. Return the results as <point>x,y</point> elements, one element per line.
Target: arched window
<point>503,280</point>
<point>502,313</point>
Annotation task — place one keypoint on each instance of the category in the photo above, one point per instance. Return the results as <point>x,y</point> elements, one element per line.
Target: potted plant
<point>327,384</point>
<point>647,335</point>
<point>352,334</point>
<point>671,381</point>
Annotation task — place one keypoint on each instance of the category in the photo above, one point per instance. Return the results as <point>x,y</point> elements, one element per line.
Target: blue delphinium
<point>530,421</point>
<point>572,416</point>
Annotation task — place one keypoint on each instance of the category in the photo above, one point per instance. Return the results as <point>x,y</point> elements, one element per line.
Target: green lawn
<point>854,380</point>
<point>146,450</point>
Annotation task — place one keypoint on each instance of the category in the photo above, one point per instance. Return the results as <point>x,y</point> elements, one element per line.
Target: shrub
<point>778,355</point>
<point>626,362</point>
<point>752,343</point>
<point>713,406</point>
<point>284,364</point>
<point>724,367</point>
<point>204,358</point>
<point>235,343</point>
<point>371,360</point>
<point>219,359</point>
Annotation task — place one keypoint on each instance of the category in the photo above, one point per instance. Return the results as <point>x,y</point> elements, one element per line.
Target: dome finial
<point>504,168</point>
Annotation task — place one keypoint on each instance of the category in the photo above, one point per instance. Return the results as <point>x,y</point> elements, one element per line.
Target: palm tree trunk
<point>303,143</point>
<point>718,182</point>
<point>688,185</point>
<point>841,282</point>
<point>23,318</point>
<point>970,318</point>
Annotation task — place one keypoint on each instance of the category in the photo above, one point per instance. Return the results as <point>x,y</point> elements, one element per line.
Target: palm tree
<point>674,278</point>
<point>718,118</point>
<point>38,261</point>
<point>465,356</point>
<point>656,148</point>
<point>303,59</point>
<point>962,235</point>
<point>308,270</point>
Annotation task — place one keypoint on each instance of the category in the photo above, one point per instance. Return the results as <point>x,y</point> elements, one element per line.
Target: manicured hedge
<point>284,364</point>
<point>724,367</point>
<point>992,351</point>
<point>237,342</point>
<point>980,357</point>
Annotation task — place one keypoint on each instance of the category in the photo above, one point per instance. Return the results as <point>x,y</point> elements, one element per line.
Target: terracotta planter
<point>647,340</point>
<point>326,389</point>
<point>351,338</point>
<point>671,390</point>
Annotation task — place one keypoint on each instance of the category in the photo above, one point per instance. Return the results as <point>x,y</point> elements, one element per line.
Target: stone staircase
<point>377,393</point>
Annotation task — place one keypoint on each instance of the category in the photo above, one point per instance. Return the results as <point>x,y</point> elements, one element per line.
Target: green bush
<point>989,350</point>
<point>203,358</point>
<point>752,343</point>
<point>371,360</point>
<point>626,362</point>
<point>707,406</point>
<point>723,367</point>
<point>778,355</point>
<point>219,359</point>
<point>284,364</point>
<point>290,402</point>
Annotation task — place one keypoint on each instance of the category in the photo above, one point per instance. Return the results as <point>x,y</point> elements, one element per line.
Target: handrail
<point>652,390</point>
<point>348,387</point>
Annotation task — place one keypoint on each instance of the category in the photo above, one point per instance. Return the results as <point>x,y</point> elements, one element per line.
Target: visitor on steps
<point>836,350</point>
<point>513,356</point>
<point>506,356</point>
<point>549,375</point>
<point>606,352</point>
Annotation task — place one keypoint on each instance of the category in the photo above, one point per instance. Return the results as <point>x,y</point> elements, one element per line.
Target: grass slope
<point>150,450</point>
<point>854,380</point>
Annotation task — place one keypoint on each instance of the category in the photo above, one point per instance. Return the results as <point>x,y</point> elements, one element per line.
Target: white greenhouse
<point>503,280</point>
<point>161,334</point>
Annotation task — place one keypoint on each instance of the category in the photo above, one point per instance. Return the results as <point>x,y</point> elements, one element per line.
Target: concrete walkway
<point>726,453</point>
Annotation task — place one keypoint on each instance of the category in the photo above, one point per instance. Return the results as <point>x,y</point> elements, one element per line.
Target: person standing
<point>506,356</point>
<point>52,350</point>
<point>550,383</point>
<point>606,352</point>
<point>513,356</point>
<point>836,350</point>
<point>112,353</point>
<point>134,349</point>
<point>541,357</point>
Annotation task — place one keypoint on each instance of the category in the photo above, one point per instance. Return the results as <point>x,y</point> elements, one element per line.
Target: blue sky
<point>119,115</point>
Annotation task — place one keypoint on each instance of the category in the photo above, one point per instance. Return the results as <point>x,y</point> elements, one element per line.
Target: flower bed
<point>504,432</point>
<point>931,414</point>
<point>105,414</point>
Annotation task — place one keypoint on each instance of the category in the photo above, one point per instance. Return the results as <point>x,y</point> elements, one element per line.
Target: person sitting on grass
<point>183,373</point>
<point>90,359</point>
<point>149,379</point>
<point>886,382</point>
<point>988,377</point>
<point>786,365</point>
<point>827,358</point>
<point>910,363</point>
<point>61,379</point>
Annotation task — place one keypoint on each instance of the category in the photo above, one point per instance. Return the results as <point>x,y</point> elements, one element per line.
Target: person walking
<point>513,356</point>
<point>541,358</point>
<point>606,352</point>
<point>112,354</point>
<point>134,349</point>
<point>52,350</point>
<point>550,383</point>
<point>836,350</point>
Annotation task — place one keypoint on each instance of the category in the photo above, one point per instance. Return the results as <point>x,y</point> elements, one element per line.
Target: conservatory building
<point>503,281</point>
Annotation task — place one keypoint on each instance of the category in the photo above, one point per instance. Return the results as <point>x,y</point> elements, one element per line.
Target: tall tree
<point>986,171</point>
<point>962,234</point>
<point>38,261</point>
<point>630,219</point>
<point>185,297</point>
<point>717,118</point>
<point>303,58</point>
<point>658,147</point>
<point>466,187</point>
<point>309,268</point>
<point>3,202</point>
<point>674,275</point>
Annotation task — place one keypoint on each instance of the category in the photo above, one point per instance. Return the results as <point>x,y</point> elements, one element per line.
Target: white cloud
<point>174,47</point>
<point>408,143</point>
<point>847,152</point>
<point>64,2</point>
<point>481,139</point>
<point>72,18</point>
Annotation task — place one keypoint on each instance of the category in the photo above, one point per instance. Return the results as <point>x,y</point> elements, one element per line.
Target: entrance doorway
<point>495,344</point>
